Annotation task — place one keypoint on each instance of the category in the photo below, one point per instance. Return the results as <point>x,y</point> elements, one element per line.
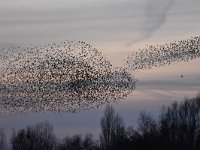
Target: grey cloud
<point>95,19</point>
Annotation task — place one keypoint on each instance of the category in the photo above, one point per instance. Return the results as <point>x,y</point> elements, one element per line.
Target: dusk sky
<point>116,28</point>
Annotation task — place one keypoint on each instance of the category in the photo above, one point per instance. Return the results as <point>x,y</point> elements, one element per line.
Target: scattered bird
<point>73,76</point>
<point>162,55</point>
<point>60,77</point>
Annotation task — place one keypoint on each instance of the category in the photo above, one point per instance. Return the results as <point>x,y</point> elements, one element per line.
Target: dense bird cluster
<point>156,56</point>
<point>69,76</point>
<point>73,76</point>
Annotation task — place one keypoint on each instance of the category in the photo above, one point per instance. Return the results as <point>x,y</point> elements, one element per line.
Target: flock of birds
<point>65,77</point>
<point>72,76</point>
<point>161,55</point>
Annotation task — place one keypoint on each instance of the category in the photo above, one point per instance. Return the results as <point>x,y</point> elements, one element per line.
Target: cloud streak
<point>155,16</point>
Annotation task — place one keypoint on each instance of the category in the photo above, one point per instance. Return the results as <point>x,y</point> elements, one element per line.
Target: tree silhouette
<point>180,124</point>
<point>147,125</point>
<point>2,140</point>
<point>147,130</point>
<point>113,130</point>
<point>38,137</point>
<point>177,127</point>
<point>76,142</point>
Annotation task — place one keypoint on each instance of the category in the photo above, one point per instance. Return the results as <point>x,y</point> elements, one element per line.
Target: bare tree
<point>71,143</point>
<point>180,124</point>
<point>2,140</point>
<point>147,125</point>
<point>76,142</point>
<point>40,136</point>
<point>112,129</point>
<point>147,131</point>
<point>89,143</point>
<point>119,132</point>
<point>107,127</point>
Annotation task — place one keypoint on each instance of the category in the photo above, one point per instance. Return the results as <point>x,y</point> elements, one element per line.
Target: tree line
<point>176,127</point>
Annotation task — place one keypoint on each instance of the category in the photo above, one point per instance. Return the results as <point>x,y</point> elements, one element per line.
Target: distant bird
<point>181,76</point>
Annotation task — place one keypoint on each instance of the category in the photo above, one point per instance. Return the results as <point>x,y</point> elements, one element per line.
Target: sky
<point>116,28</point>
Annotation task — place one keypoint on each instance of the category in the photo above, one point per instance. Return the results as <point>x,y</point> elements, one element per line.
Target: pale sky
<point>115,27</point>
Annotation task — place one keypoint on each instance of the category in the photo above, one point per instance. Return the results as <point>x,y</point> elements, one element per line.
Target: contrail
<point>155,16</point>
